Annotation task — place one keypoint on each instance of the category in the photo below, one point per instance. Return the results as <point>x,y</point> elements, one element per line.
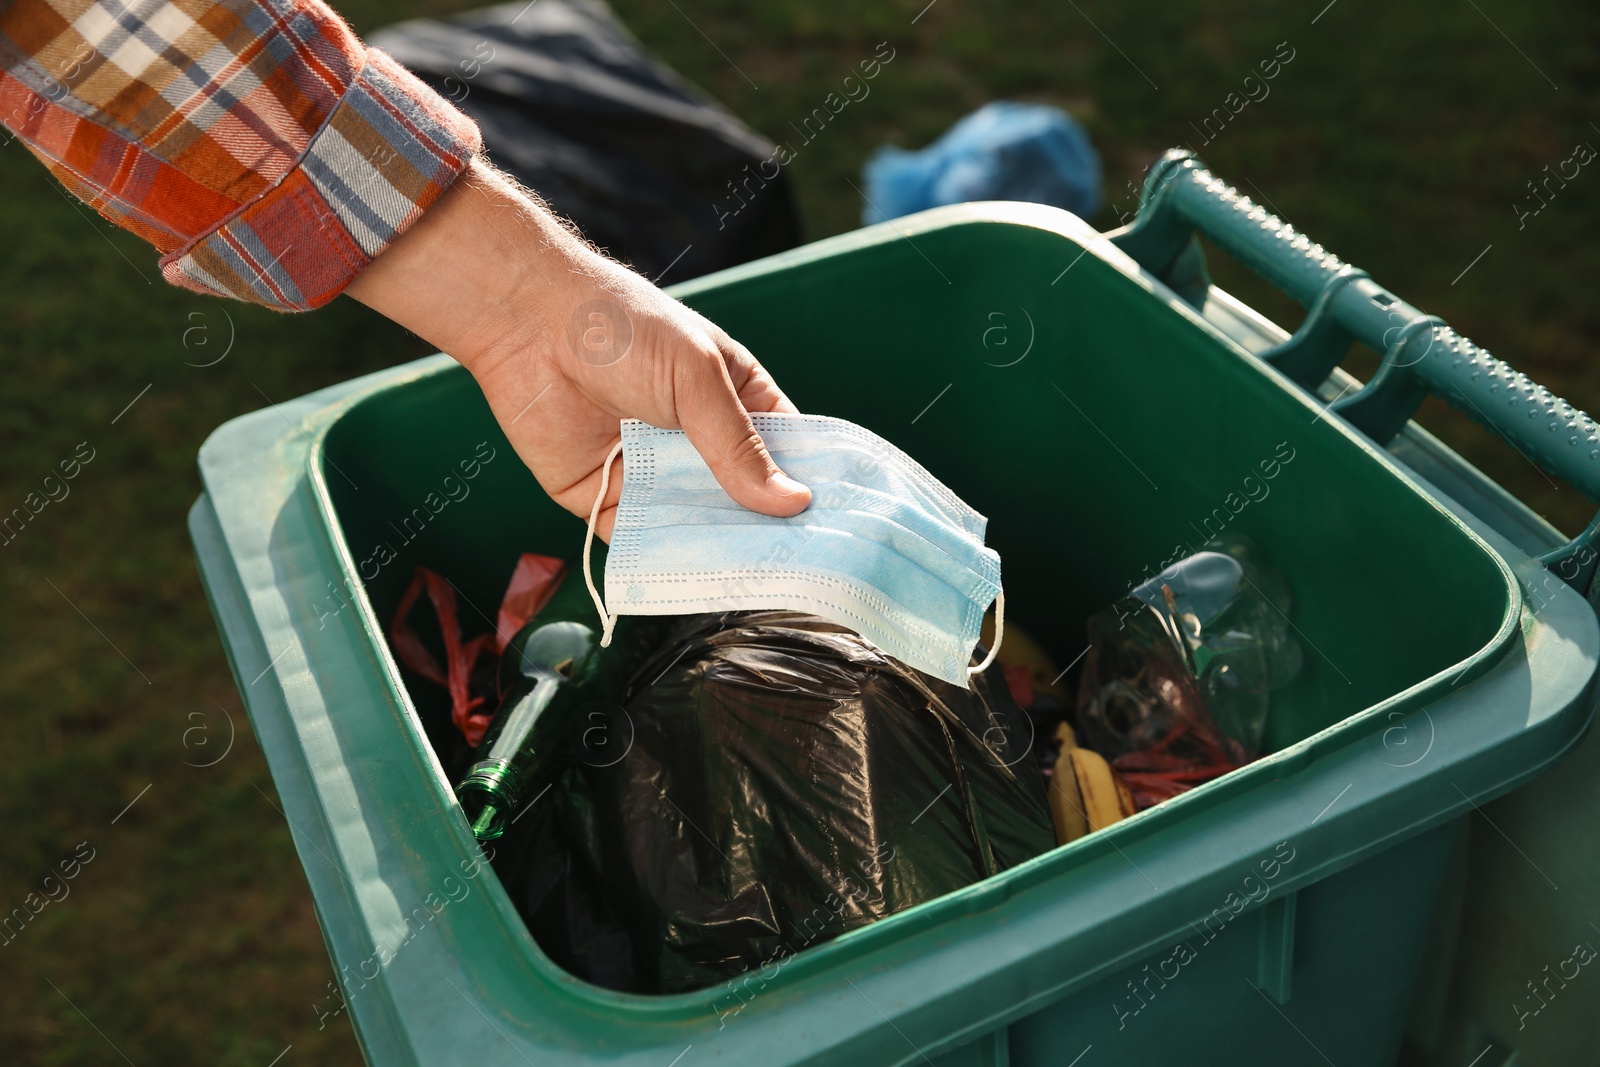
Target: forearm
<point>480,275</point>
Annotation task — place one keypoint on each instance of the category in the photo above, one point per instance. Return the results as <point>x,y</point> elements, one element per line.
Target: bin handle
<point>1421,353</point>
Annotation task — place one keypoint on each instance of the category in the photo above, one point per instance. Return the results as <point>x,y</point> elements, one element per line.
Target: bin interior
<point>1122,438</point>
<point>1102,430</point>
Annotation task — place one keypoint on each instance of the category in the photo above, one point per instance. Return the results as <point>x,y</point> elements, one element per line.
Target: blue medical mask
<point>884,549</point>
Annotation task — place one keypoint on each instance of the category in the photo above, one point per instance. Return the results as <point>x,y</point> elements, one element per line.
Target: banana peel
<point>1086,792</point>
<point>1066,799</point>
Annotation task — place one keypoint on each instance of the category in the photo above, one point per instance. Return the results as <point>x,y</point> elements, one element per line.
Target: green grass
<point>1399,136</point>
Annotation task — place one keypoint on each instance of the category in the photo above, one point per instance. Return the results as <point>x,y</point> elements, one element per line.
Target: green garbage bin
<point>1109,410</point>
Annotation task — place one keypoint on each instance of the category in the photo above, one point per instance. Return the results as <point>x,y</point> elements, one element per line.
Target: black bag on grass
<point>576,108</point>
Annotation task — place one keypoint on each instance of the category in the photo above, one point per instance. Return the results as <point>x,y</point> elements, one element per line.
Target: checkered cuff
<point>390,148</point>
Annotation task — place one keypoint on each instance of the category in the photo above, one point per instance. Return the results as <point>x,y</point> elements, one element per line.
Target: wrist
<point>481,274</point>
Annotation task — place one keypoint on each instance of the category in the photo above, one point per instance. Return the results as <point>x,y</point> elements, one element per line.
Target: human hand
<point>565,343</point>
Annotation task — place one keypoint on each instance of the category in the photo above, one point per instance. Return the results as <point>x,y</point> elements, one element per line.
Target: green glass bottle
<point>554,677</point>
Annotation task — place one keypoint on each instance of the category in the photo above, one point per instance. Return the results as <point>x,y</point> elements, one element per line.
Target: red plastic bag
<point>532,584</point>
<point>533,581</point>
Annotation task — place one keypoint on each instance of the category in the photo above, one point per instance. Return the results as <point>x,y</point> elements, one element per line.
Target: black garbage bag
<point>774,781</point>
<point>644,163</point>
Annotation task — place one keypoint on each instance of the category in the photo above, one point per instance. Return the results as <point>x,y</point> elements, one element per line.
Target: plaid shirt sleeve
<point>257,144</point>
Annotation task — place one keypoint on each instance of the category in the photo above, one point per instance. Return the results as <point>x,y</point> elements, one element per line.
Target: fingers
<point>603,512</point>
<point>603,527</point>
<point>713,416</point>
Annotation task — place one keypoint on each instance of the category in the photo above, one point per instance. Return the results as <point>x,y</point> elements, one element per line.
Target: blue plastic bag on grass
<point>1002,151</point>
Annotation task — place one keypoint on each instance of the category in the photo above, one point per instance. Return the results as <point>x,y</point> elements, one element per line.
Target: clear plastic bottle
<point>1177,686</point>
<point>1232,616</point>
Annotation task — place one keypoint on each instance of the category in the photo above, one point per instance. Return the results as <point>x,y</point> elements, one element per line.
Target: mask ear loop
<point>607,622</point>
<point>999,631</point>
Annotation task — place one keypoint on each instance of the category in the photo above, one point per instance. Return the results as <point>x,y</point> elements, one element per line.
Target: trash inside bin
<point>783,782</point>
<point>1177,682</point>
<point>721,791</point>
<point>1232,924</point>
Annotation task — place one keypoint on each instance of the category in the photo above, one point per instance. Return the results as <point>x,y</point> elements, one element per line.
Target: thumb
<point>720,429</point>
